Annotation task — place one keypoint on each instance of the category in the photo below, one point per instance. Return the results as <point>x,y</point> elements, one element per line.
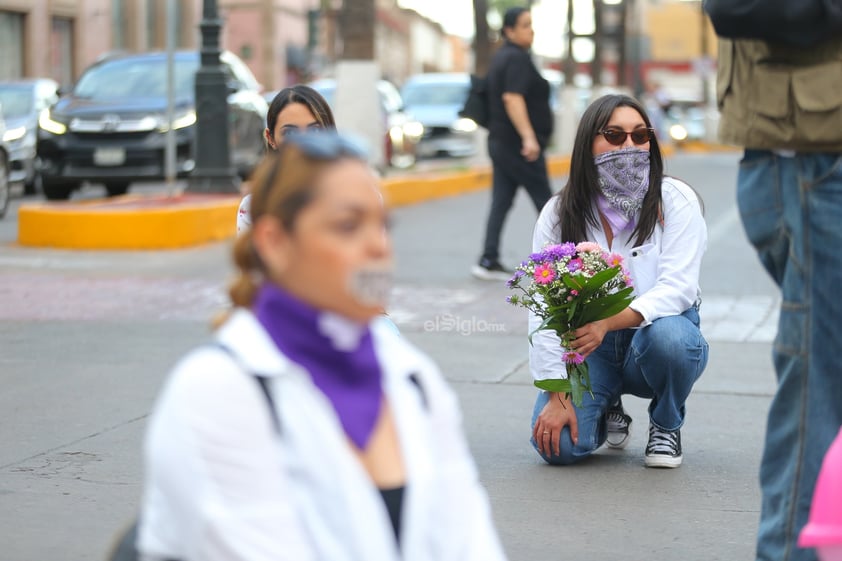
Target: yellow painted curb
<point>129,222</point>
<point>136,222</point>
<point>405,191</point>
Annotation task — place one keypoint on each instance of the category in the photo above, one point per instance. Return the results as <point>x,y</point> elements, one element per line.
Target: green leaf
<point>554,385</point>
<point>608,306</point>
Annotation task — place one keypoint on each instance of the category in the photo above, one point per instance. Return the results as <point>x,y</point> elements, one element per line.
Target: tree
<point>356,22</point>
<point>482,42</point>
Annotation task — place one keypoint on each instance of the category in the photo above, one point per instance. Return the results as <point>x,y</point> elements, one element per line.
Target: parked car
<point>400,132</point>
<point>21,102</point>
<point>5,179</point>
<point>435,100</point>
<point>111,127</point>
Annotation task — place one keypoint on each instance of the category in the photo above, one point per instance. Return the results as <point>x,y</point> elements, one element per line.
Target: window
<point>61,50</point>
<point>11,45</point>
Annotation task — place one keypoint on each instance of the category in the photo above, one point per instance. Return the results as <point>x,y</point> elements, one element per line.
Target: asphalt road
<point>86,339</point>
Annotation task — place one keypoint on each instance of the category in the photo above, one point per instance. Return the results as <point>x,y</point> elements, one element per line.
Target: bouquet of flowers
<point>569,286</point>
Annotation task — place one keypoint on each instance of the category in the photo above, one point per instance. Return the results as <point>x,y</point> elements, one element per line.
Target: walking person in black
<point>519,129</point>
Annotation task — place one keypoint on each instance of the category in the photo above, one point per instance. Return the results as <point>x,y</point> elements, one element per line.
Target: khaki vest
<point>780,97</point>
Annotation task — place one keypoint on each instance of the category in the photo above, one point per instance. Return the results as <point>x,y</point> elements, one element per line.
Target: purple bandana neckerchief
<point>337,353</point>
<point>623,183</point>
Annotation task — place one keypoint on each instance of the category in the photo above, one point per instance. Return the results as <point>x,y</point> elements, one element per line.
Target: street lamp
<point>213,172</point>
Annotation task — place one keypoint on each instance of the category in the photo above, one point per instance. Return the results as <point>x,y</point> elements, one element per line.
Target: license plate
<point>109,156</point>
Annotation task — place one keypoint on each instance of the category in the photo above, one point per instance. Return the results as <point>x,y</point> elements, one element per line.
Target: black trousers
<point>511,170</point>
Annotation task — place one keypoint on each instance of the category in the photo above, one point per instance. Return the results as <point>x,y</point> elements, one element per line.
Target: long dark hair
<point>306,96</point>
<point>574,208</point>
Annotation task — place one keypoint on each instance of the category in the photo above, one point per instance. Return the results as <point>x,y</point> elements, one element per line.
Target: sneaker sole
<point>621,445</point>
<point>484,274</point>
<point>622,440</point>
<point>662,461</point>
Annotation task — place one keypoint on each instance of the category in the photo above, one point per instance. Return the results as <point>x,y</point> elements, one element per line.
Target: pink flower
<point>572,357</point>
<point>588,246</point>
<point>574,292</point>
<point>614,260</point>
<point>544,274</point>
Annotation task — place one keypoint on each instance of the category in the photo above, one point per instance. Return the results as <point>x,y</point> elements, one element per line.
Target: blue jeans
<point>791,210</point>
<point>659,362</point>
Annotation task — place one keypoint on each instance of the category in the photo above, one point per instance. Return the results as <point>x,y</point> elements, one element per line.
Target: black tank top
<point>394,500</point>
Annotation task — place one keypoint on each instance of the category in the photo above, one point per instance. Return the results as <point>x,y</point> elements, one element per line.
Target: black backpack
<point>476,104</point>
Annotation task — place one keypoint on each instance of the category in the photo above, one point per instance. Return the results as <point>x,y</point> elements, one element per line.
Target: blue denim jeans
<point>659,362</point>
<point>791,210</point>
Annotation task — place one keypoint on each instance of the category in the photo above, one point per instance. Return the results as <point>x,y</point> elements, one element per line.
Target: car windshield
<point>136,77</point>
<point>435,94</point>
<point>15,101</point>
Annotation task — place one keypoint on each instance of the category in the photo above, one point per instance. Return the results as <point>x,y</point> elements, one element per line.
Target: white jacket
<point>664,269</point>
<point>244,215</point>
<point>222,485</point>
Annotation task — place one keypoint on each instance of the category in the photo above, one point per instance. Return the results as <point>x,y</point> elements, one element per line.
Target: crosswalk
<point>44,296</point>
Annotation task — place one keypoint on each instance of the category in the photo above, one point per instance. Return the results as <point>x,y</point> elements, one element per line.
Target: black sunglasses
<point>323,144</point>
<point>617,137</point>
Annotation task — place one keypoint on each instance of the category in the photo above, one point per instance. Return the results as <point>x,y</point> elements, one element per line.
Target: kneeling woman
<point>618,197</point>
<point>306,430</point>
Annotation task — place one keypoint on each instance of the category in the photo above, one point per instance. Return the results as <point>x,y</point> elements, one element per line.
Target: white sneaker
<point>490,270</point>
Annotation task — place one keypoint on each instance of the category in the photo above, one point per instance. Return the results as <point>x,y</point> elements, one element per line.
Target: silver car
<point>434,100</point>
<point>5,183</point>
<point>21,102</point>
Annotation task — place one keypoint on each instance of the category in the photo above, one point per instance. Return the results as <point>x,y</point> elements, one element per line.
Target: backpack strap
<point>262,381</point>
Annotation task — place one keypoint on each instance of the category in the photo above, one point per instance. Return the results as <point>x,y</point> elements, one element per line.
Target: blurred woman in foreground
<point>307,430</point>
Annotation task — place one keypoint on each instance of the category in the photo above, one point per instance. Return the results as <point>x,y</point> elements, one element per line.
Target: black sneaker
<point>618,426</point>
<point>488,269</point>
<point>664,448</point>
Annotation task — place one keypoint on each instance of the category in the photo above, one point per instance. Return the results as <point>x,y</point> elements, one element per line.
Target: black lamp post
<point>213,172</point>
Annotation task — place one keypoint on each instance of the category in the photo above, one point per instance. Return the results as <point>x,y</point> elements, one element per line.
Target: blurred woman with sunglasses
<point>618,196</point>
<point>308,431</point>
<point>294,109</point>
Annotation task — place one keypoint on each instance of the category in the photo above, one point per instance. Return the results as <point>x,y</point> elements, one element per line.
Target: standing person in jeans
<point>784,106</point>
<point>519,129</point>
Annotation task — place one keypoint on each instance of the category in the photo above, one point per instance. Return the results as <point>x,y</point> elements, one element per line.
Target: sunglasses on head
<point>617,137</point>
<point>323,144</point>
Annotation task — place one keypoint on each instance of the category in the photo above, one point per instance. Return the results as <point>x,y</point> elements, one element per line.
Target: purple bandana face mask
<point>623,183</point>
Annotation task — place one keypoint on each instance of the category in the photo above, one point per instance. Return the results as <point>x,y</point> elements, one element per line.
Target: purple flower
<point>572,357</point>
<point>561,251</point>
<point>574,265</point>
<point>511,282</point>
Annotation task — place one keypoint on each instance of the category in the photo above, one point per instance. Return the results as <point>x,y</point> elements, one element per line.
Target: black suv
<point>111,127</point>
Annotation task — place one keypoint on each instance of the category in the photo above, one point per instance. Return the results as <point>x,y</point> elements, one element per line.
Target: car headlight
<point>47,123</point>
<point>413,129</point>
<point>678,132</point>
<point>464,125</point>
<point>179,122</point>
<point>14,134</point>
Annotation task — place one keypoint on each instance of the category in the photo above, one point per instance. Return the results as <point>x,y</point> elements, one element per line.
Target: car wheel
<point>5,185</point>
<point>57,191</point>
<point>116,188</point>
